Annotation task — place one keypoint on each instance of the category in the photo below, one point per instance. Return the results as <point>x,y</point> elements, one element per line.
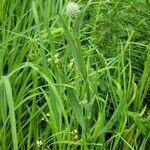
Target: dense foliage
<point>80,82</point>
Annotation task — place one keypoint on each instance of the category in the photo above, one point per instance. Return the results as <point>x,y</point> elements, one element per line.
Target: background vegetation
<point>81,83</point>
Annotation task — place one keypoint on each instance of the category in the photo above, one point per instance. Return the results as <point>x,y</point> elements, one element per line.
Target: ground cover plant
<point>74,74</point>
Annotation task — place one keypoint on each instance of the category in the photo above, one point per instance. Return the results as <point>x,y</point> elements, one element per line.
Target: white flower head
<point>72,9</point>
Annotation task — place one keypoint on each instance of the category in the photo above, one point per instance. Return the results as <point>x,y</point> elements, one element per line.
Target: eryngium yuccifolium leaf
<point>72,9</point>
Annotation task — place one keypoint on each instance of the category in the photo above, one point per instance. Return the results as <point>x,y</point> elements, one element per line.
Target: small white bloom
<point>39,143</point>
<point>56,60</point>
<point>56,55</point>
<point>48,115</point>
<point>72,9</point>
<point>70,65</point>
<point>84,102</point>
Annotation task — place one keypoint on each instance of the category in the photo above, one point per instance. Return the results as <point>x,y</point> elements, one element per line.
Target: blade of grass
<point>10,102</point>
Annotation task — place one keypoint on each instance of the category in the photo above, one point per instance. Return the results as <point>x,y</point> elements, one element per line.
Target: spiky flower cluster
<point>72,9</point>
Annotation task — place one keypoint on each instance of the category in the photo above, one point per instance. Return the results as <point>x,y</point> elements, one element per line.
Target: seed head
<point>72,9</point>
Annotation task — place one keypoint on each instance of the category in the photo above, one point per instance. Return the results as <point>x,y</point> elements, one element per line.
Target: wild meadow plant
<point>74,75</point>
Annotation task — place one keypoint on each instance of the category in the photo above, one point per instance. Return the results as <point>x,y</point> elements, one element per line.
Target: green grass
<point>75,83</point>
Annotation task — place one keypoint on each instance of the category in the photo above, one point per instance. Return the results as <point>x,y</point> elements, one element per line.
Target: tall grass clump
<point>74,74</point>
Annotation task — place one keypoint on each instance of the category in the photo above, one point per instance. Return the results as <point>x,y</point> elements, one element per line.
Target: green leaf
<point>143,124</point>
<point>10,102</point>
<point>120,109</point>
